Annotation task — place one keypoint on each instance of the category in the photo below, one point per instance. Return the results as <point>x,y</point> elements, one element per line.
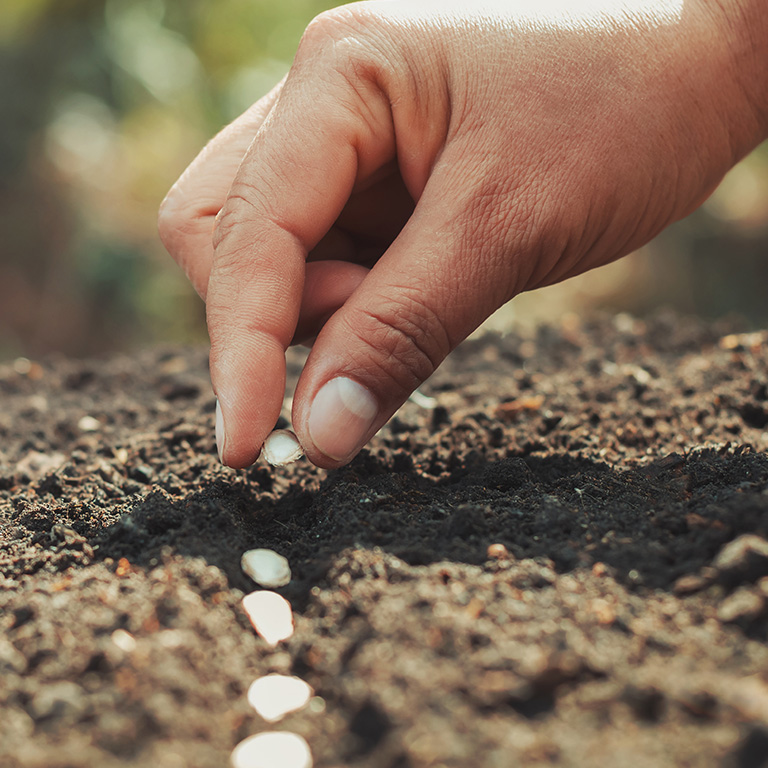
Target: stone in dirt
<point>272,749</point>
<point>89,424</point>
<point>266,567</point>
<point>743,606</point>
<point>274,696</point>
<point>270,615</point>
<point>745,559</point>
<point>36,464</point>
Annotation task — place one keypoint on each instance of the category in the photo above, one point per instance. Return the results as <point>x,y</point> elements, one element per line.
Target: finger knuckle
<point>240,212</point>
<point>177,224</point>
<point>171,224</point>
<point>330,27</point>
<point>346,50</point>
<point>343,40</point>
<point>403,338</point>
<point>227,222</point>
<point>249,215</point>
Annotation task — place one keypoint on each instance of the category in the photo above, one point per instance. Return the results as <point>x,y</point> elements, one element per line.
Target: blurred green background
<point>104,102</point>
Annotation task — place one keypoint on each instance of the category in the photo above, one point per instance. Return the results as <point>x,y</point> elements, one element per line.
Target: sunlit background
<point>104,102</point>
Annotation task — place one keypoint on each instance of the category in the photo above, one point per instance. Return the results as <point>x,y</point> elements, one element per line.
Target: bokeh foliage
<point>104,102</point>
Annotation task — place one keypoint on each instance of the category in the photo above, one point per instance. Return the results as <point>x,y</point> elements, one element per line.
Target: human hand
<point>421,164</point>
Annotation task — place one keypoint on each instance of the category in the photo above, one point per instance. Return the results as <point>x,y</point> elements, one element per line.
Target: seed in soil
<point>282,447</point>
<point>125,641</point>
<point>270,615</point>
<point>274,696</point>
<point>422,400</point>
<point>266,568</point>
<point>272,749</point>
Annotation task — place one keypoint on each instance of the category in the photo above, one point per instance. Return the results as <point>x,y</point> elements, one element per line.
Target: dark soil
<point>622,465</point>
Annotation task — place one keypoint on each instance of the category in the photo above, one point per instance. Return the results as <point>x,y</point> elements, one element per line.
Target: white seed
<point>282,447</point>
<point>270,615</point>
<point>125,641</point>
<point>274,696</point>
<point>88,424</point>
<point>272,749</point>
<point>266,568</point>
<point>422,400</point>
<point>22,365</point>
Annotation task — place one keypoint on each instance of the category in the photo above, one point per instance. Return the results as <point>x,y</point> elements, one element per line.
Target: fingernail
<point>340,417</point>
<point>219,431</point>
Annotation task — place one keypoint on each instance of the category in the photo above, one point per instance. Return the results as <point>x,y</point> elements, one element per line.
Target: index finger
<point>188,212</point>
<point>322,135</point>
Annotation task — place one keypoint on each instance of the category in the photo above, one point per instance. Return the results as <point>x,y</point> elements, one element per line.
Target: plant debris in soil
<point>562,560</point>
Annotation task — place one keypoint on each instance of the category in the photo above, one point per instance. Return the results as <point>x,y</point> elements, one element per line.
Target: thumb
<point>447,271</point>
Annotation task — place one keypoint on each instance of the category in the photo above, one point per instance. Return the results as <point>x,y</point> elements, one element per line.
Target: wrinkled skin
<point>421,164</point>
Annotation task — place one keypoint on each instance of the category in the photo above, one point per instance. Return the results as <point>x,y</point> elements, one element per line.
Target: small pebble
<point>266,568</point>
<point>272,749</point>
<point>270,615</point>
<point>744,559</point>
<point>36,464</point>
<point>282,447</point>
<point>274,696</point>
<point>60,699</point>
<point>88,424</point>
<point>497,552</point>
<point>25,367</point>
<point>743,606</point>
